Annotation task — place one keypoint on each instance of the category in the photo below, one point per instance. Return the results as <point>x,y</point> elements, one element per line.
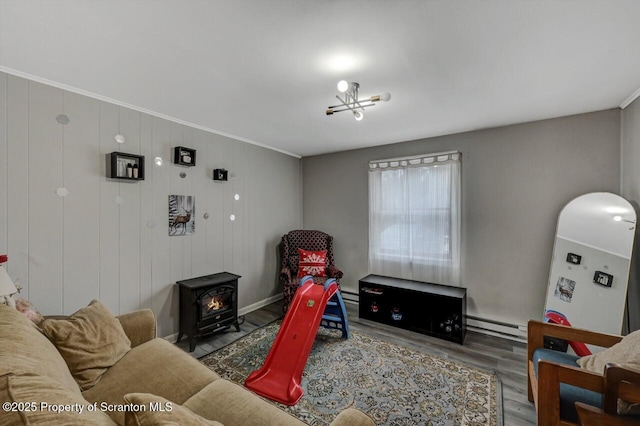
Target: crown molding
<point>137,108</point>
<point>630,99</point>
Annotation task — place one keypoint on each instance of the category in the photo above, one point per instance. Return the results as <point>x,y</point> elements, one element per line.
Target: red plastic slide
<point>558,318</point>
<point>279,377</point>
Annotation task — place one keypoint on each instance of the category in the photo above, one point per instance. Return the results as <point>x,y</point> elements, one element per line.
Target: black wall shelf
<point>121,165</point>
<point>184,156</point>
<point>220,175</point>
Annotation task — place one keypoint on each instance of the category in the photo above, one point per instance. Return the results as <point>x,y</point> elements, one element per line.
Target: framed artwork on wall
<point>182,215</point>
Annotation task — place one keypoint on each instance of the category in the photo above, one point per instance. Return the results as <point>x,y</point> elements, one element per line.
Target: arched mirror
<point>590,265</point>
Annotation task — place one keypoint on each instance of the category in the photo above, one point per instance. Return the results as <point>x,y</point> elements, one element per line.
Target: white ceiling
<point>265,70</point>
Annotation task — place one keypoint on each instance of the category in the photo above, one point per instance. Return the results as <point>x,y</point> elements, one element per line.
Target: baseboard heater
<point>497,328</point>
<point>350,297</point>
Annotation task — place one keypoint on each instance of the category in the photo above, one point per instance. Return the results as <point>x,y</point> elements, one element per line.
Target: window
<point>414,218</point>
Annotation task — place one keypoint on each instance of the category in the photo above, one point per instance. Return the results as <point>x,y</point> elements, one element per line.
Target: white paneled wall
<point>108,239</point>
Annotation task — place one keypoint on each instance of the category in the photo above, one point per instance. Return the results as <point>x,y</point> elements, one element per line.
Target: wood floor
<point>507,358</point>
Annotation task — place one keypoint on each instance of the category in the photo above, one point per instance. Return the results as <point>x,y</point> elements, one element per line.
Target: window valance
<point>415,160</point>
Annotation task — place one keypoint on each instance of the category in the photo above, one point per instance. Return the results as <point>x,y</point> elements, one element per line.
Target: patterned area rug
<point>394,385</point>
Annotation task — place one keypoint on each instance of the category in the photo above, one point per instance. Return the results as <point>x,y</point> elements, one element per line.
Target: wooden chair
<point>544,389</point>
<point>619,383</point>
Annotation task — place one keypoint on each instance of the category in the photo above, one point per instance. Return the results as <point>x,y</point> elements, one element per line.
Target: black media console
<point>433,309</point>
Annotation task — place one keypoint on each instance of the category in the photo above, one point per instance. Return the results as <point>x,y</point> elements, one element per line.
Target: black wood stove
<point>207,305</point>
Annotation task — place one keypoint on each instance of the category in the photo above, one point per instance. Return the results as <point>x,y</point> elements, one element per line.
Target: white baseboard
<point>259,304</point>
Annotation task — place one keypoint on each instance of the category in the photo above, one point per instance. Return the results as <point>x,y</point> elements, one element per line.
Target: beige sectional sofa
<point>153,382</point>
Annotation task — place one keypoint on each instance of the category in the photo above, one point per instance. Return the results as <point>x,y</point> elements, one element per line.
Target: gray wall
<point>515,181</point>
<point>67,251</point>
<point>631,191</point>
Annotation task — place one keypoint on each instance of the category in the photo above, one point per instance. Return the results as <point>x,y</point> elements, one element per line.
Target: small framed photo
<point>564,289</point>
<point>573,258</point>
<point>182,215</point>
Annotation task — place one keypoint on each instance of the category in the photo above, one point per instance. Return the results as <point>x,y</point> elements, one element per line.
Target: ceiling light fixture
<point>351,101</point>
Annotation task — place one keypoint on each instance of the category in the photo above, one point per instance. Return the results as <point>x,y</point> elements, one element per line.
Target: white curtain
<point>414,218</point>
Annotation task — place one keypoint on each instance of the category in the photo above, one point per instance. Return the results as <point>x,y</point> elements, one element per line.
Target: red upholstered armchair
<point>306,240</point>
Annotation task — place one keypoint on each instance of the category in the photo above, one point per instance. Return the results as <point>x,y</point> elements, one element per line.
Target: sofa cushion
<point>231,404</point>
<point>25,350</point>
<point>140,326</point>
<point>90,341</point>
<point>156,367</point>
<point>159,411</point>
<point>11,416</point>
<point>40,400</point>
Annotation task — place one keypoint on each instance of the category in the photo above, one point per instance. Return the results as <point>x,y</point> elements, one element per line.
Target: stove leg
<point>192,344</point>
<point>237,325</point>
<point>180,334</point>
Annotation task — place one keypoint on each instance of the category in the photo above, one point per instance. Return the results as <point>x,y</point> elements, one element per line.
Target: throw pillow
<point>312,263</point>
<point>625,353</point>
<point>159,411</point>
<point>90,341</point>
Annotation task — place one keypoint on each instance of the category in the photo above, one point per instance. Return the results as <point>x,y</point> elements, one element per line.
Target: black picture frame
<point>603,279</point>
<point>574,259</point>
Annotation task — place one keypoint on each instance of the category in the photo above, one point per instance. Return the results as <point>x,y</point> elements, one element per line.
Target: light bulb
<point>617,218</point>
<point>385,96</point>
<point>236,197</point>
<point>158,161</point>
<point>343,86</point>
<point>119,138</point>
<point>232,217</point>
<point>358,115</point>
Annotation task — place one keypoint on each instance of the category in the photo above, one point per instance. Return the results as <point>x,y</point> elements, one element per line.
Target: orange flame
<point>214,304</point>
